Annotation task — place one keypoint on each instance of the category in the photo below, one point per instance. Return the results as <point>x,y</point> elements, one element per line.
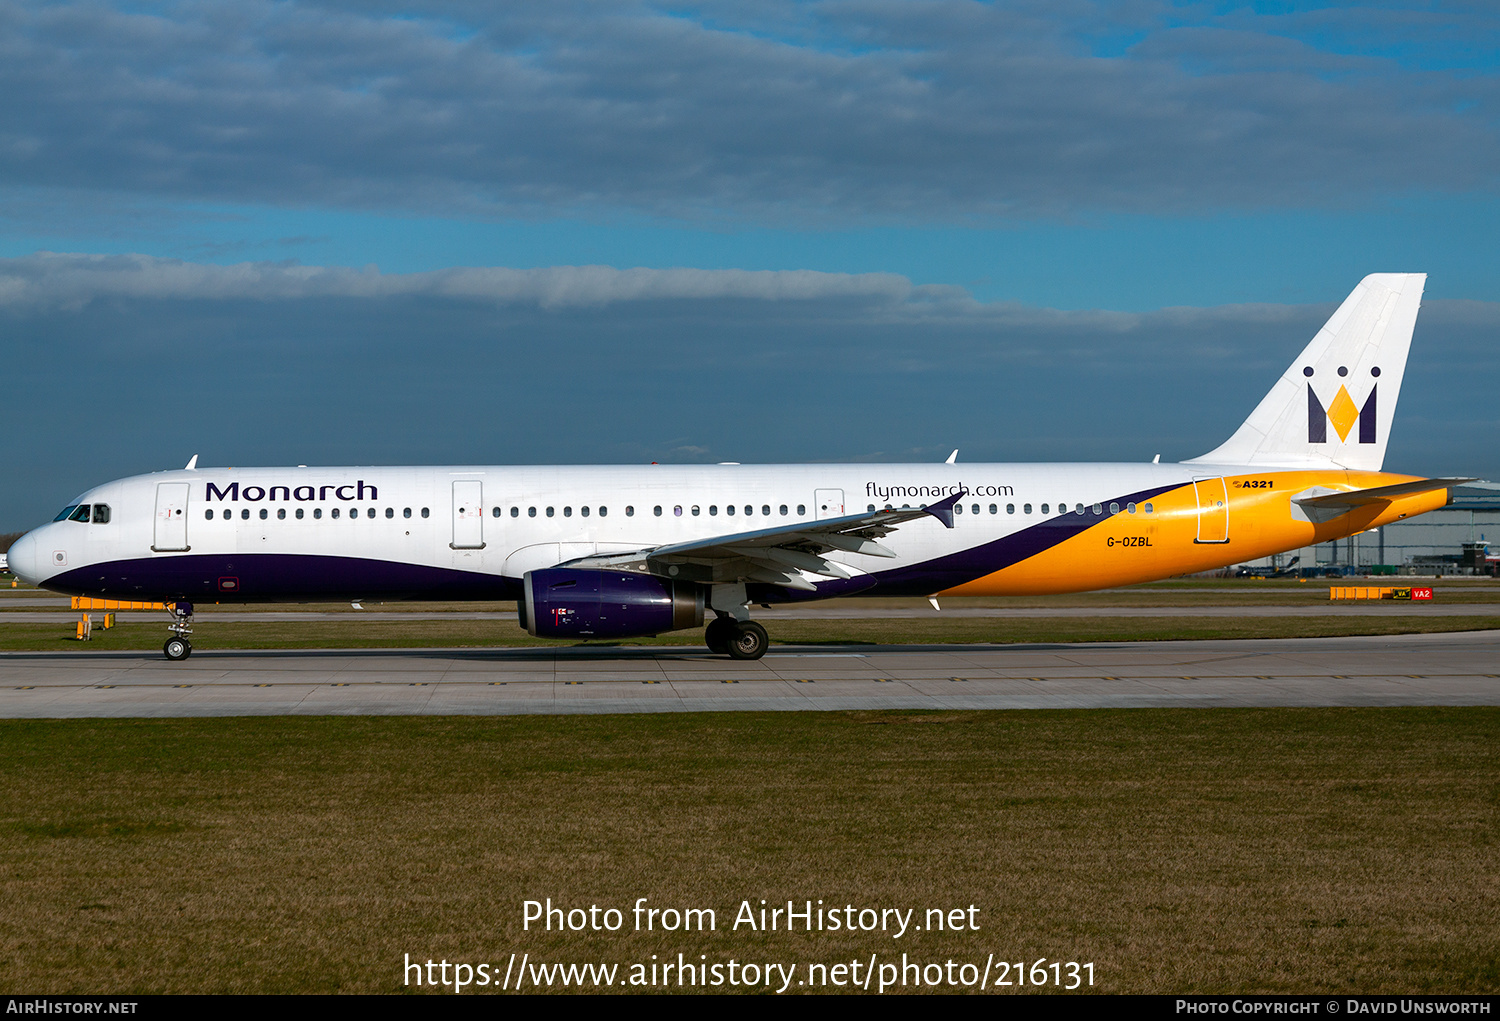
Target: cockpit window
<point>81,514</point>
<point>63,514</point>
<point>101,513</point>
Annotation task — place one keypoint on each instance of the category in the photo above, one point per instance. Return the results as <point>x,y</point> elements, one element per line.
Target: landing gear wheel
<point>177,648</point>
<point>749,642</point>
<point>719,634</point>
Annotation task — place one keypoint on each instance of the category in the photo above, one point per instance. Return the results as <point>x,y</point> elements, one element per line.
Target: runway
<point>1400,670</point>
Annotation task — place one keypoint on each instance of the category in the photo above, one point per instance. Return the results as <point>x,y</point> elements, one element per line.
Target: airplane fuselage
<point>467,532</point>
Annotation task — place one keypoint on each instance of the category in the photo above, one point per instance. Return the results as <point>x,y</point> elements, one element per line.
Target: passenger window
<point>994,509</point>
<point>1010,508</point>
<point>1027,509</point>
<point>280,513</point>
<point>783,510</point>
<point>245,514</point>
<point>317,512</point>
<point>584,510</point>
<point>426,512</point>
<point>677,511</point>
<point>299,513</point>
<point>495,512</point>
<point>567,512</point>
<point>656,510</point>
<point>531,512</point>
<point>1149,509</point>
<point>975,508</point>
<point>604,512</point>
<point>406,512</point>
<point>1130,508</point>
<point>801,509</point>
<point>264,514</point>
<point>1114,508</point>
<point>1078,509</point>
<point>870,509</point>
<point>958,508</point>
<point>515,512</point>
<point>695,510</point>
<point>1045,509</point>
<point>354,513</point>
<point>713,509</point>
<point>209,514</point>
<point>390,512</point>
<point>729,510</point>
<point>81,514</point>
<point>550,512</point>
<point>334,513</point>
<point>227,514</point>
<point>1098,508</point>
<point>101,513</point>
<point>766,510</point>
<point>370,512</point>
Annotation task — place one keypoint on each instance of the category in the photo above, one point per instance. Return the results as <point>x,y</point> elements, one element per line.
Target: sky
<point>296,232</point>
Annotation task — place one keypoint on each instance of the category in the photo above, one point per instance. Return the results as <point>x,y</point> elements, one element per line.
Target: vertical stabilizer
<point>1334,405</point>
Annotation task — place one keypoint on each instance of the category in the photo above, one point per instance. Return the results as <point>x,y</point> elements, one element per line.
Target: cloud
<point>61,280</point>
<point>778,112</point>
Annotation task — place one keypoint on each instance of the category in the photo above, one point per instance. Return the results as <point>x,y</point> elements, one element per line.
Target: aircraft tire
<point>718,635</point>
<point>749,641</point>
<point>177,648</point>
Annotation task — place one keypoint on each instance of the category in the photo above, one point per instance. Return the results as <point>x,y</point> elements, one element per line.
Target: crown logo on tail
<point>1342,412</point>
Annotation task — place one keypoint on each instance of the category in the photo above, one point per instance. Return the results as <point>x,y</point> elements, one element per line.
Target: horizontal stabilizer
<point>1359,497</point>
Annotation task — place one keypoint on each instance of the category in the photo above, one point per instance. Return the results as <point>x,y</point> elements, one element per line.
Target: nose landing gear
<point>178,647</point>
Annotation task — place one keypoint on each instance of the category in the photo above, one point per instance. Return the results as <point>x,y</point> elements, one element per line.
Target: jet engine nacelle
<point>564,602</point>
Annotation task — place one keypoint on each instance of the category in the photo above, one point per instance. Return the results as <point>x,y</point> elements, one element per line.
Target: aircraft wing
<point>1359,497</point>
<point>775,556</point>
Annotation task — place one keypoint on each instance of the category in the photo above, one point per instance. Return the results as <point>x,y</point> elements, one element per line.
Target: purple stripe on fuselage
<point>277,577</point>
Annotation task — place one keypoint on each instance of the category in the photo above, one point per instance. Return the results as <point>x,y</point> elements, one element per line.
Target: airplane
<point>616,552</point>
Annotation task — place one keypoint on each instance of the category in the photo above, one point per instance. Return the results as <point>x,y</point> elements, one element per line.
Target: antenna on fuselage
<point>192,465</point>
<point>952,458</point>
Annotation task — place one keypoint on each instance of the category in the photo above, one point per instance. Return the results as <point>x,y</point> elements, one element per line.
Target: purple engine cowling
<point>563,602</point>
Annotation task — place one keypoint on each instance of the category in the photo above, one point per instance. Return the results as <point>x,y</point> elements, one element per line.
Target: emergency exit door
<point>829,503</point>
<point>468,514</point>
<point>171,517</point>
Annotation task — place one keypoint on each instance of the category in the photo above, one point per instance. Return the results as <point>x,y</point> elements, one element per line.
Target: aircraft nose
<point>22,558</point>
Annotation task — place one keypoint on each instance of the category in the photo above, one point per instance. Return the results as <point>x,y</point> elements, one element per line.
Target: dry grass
<point>1200,850</point>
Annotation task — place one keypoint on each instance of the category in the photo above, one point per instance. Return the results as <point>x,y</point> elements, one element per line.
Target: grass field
<point>380,634</point>
<point>1337,850</point>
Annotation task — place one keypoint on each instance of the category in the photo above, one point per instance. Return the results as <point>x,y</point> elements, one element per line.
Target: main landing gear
<point>737,639</point>
<point>178,647</point>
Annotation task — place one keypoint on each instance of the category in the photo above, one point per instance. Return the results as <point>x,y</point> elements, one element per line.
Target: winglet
<point>943,509</point>
<point>192,465</point>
